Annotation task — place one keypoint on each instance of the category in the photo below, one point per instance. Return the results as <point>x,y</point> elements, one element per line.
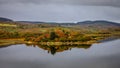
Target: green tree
<point>53,35</point>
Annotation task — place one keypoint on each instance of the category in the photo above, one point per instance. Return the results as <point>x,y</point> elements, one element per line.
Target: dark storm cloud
<point>68,2</point>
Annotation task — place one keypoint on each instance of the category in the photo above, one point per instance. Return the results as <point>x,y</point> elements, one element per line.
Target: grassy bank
<point>51,34</point>
<point>6,42</point>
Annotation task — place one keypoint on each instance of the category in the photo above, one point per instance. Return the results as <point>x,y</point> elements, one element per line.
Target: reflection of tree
<point>53,49</point>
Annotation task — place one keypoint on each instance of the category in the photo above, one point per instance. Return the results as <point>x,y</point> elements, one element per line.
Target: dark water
<point>102,55</point>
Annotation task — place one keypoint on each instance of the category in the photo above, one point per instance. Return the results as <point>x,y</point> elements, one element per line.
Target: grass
<point>9,25</point>
<point>29,29</point>
<point>6,42</point>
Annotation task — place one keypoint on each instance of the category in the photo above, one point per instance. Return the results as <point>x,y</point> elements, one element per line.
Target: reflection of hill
<point>4,46</point>
<point>53,49</point>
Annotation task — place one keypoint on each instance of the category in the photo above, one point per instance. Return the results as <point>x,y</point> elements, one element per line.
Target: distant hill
<point>31,22</point>
<point>94,24</point>
<point>98,22</point>
<point>5,19</point>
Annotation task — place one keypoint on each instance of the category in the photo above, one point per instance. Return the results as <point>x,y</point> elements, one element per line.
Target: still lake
<point>102,55</point>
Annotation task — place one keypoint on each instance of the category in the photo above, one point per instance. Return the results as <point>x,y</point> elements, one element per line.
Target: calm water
<point>102,55</point>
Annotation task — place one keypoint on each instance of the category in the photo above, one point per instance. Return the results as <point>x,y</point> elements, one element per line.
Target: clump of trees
<point>59,35</point>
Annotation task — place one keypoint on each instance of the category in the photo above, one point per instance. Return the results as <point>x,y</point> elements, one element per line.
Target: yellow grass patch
<point>11,25</point>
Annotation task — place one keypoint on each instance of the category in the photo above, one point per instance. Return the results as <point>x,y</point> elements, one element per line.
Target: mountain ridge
<point>2,19</point>
<point>87,22</point>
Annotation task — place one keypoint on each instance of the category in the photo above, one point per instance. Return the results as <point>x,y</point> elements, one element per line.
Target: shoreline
<point>13,41</point>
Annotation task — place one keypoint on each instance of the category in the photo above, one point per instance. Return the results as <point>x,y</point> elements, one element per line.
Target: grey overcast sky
<point>60,10</point>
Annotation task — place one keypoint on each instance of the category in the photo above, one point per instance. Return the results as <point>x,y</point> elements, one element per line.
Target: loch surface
<point>101,55</point>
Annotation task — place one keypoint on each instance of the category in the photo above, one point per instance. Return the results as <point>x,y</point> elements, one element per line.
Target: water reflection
<point>53,49</point>
<point>103,55</point>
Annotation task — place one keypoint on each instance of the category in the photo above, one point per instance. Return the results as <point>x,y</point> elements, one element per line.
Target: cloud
<point>54,12</point>
<point>67,2</point>
<point>60,10</point>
